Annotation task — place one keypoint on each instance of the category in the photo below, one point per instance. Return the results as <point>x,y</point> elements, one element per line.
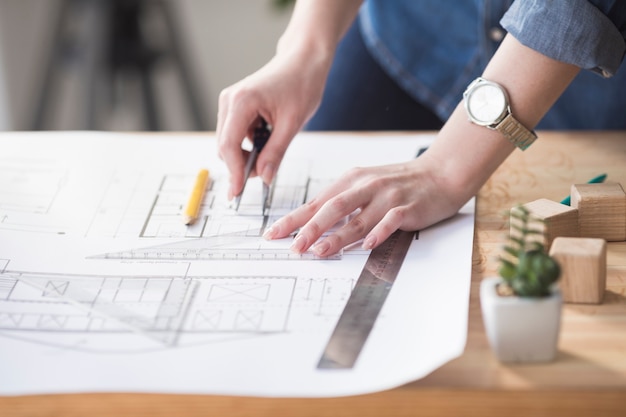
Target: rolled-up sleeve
<point>588,34</point>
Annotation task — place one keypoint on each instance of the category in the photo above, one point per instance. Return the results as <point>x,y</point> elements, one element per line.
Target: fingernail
<point>369,242</point>
<point>270,232</point>
<point>321,248</point>
<point>298,244</point>
<point>268,173</point>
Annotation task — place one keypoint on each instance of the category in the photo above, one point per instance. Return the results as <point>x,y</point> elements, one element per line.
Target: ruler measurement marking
<point>365,302</point>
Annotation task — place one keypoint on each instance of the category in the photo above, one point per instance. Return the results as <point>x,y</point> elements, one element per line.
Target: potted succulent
<point>522,306</point>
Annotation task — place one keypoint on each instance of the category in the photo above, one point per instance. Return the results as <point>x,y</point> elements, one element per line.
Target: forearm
<point>467,154</point>
<point>416,194</point>
<point>317,26</point>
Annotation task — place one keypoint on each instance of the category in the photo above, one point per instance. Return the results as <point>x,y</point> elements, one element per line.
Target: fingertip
<point>236,185</point>
<point>299,244</point>
<point>321,248</point>
<point>232,192</point>
<point>267,175</point>
<point>369,242</point>
<point>270,233</point>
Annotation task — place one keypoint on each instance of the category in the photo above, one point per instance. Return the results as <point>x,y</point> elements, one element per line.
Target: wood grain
<point>588,377</point>
<point>601,210</point>
<point>583,268</point>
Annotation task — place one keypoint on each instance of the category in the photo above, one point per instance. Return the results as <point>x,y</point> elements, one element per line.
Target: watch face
<point>486,103</point>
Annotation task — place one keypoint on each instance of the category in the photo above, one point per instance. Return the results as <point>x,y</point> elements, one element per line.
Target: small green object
<point>595,180</point>
<point>526,268</point>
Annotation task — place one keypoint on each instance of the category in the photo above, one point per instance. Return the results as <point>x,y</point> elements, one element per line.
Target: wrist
<point>306,50</point>
<point>464,155</point>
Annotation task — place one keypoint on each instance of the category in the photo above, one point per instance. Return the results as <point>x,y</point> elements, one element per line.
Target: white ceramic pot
<point>521,329</point>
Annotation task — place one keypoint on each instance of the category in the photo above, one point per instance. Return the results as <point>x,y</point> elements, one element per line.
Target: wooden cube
<point>556,220</point>
<point>601,210</point>
<point>583,268</point>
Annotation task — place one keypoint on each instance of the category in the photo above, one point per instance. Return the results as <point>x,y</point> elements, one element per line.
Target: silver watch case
<point>467,96</point>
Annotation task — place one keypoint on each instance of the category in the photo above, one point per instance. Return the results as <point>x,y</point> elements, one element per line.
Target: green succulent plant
<point>527,269</point>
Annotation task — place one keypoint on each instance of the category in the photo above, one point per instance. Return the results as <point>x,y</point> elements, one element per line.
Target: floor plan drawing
<point>147,206</point>
<point>103,288</point>
<point>166,311</point>
<point>29,185</point>
<point>28,189</point>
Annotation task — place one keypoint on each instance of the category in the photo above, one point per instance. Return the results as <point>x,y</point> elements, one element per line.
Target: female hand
<point>407,196</point>
<point>433,187</point>
<point>285,92</point>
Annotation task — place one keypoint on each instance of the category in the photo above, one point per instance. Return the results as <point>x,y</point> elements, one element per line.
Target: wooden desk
<point>588,377</point>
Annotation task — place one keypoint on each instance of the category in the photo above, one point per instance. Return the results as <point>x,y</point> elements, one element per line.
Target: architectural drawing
<point>104,289</point>
<point>28,189</point>
<point>220,233</point>
<point>141,205</point>
<point>165,311</point>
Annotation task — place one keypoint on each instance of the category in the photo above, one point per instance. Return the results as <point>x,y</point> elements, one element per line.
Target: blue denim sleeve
<point>588,34</point>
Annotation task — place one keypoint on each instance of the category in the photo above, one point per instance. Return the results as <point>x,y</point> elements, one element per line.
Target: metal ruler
<point>365,302</point>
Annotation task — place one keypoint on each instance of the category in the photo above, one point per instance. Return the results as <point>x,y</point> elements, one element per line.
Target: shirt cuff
<point>572,31</point>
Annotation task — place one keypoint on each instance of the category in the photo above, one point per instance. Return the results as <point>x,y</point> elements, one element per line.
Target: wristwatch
<point>487,104</point>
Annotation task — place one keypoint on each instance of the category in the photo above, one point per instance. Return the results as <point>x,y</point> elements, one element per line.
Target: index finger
<point>231,133</point>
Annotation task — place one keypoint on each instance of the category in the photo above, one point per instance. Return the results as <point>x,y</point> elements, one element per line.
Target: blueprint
<point>104,289</point>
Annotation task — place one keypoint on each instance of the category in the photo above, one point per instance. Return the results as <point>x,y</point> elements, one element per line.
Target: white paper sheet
<point>103,289</point>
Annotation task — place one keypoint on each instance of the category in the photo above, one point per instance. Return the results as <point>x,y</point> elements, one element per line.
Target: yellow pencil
<point>195,199</point>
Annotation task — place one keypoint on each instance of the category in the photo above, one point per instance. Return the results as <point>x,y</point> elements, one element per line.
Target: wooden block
<point>601,210</point>
<point>556,220</point>
<point>583,268</point>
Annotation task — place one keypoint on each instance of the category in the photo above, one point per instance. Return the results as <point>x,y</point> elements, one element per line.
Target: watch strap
<point>516,132</point>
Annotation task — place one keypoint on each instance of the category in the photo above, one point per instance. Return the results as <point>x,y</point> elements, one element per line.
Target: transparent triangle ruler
<point>228,247</point>
<point>163,326</point>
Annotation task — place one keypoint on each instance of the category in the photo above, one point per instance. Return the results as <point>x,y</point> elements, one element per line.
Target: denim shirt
<point>435,48</point>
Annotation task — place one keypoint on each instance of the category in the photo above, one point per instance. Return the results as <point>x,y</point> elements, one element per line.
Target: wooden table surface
<point>588,377</point>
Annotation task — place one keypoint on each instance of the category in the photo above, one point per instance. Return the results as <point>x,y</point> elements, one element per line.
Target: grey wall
<point>226,40</point>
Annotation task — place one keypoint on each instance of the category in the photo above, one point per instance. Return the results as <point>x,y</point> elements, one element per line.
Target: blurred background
<point>128,64</point>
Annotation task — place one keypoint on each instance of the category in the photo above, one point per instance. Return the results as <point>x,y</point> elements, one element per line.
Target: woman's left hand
<point>407,196</point>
